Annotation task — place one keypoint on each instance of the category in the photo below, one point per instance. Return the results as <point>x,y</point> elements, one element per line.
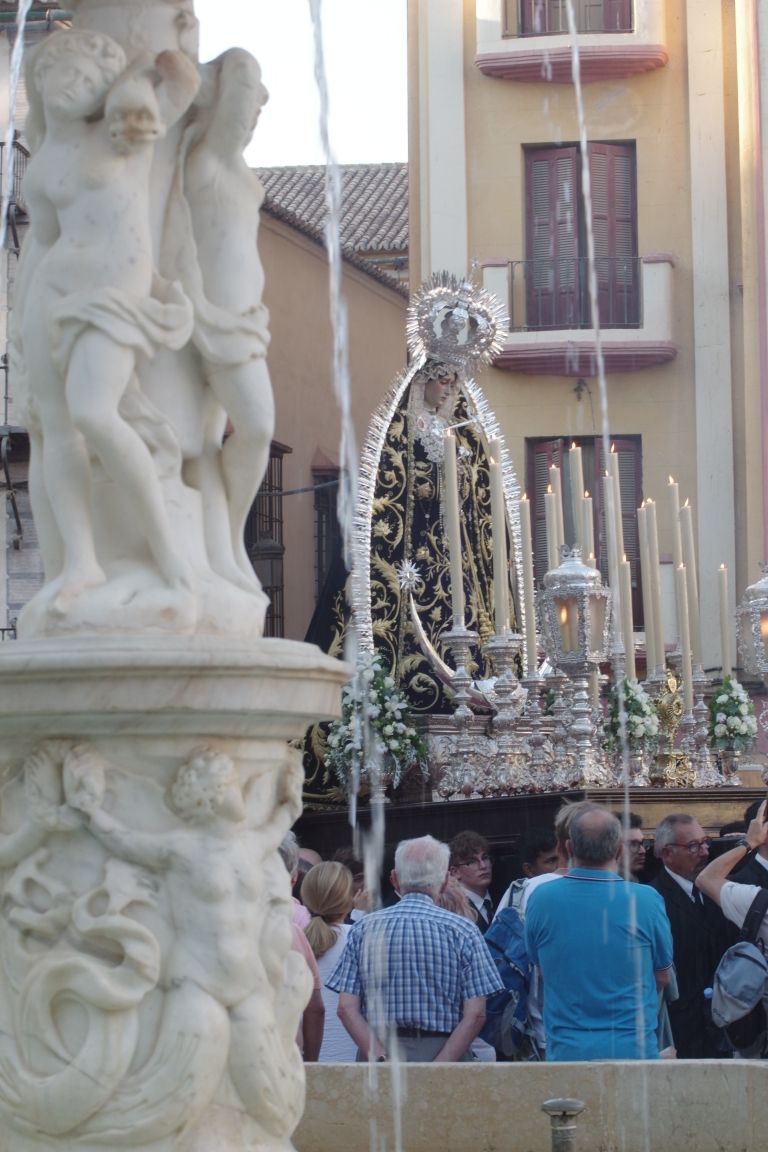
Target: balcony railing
<point>551,330</point>
<point>20,162</point>
<point>549,17</point>
<point>549,294</point>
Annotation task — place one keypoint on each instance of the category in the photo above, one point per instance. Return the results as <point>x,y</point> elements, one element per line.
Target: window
<point>540,454</point>
<point>549,17</point>
<point>557,284</point>
<point>264,539</point>
<point>327,527</point>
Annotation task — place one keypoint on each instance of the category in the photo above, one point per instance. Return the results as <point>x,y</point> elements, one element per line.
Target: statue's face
<point>74,87</point>
<point>439,391</point>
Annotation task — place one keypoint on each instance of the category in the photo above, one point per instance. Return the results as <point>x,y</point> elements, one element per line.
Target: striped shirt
<point>413,965</point>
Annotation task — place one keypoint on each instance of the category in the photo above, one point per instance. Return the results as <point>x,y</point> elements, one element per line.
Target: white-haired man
<point>415,977</point>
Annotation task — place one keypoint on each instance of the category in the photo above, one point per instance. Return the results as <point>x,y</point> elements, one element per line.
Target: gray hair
<point>666,830</point>
<point>421,864</point>
<point>289,852</point>
<point>595,837</point>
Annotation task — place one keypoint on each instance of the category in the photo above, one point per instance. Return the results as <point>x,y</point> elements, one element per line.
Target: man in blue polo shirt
<point>414,977</point>
<point>604,947</point>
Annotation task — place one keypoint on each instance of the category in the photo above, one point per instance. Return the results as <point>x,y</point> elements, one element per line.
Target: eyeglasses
<point>476,861</point>
<point>693,846</point>
<point>636,845</point>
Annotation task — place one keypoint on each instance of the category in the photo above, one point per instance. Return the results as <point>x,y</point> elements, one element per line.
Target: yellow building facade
<point>672,131</point>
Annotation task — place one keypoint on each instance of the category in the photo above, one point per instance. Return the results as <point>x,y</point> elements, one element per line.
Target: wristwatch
<point>744,843</point>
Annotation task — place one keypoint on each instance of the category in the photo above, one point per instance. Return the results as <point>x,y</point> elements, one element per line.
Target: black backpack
<point>741,983</point>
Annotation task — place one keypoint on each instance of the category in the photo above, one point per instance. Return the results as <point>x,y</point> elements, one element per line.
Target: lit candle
<point>556,484</point>
<point>531,650</point>
<point>627,622</point>
<point>645,573</point>
<point>451,502</point>
<point>577,487</point>
<point>655,584</point>
<point>689,559</point>
<point>725,616</point>
<point>587,527</point>
<point>677,540</point>
<point>550,519</point>
<point>610,533</point>
<point>684,631</point>
<point>614,470</point>
<point>499,530</point>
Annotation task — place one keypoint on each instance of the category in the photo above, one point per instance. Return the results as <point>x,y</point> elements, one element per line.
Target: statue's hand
<point>84,780</point>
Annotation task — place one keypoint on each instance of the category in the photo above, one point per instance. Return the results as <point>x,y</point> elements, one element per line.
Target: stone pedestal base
<point>149,996</point>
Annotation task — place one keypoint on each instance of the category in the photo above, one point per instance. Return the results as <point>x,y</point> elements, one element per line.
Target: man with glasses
<point>633,861</point>
<point>700,934</point>
<point>472,867</point>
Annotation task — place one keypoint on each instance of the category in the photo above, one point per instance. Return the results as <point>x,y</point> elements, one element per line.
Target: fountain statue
<point>150,998</point>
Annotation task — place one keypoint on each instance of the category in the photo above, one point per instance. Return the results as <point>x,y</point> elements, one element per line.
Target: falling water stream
<point>9,151</point>
<point>374,842</point>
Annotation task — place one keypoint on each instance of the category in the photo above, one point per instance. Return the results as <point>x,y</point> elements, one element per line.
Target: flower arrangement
<point>373,701</point>
<point>732,722</point>
<point>640,717</point>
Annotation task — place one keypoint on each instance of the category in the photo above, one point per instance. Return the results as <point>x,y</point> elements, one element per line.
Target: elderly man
<point>699,932</point>
<point>414,977</point>
<point>604,948</point>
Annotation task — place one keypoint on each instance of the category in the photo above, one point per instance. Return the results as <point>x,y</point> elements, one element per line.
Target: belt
<point>418,1033</point>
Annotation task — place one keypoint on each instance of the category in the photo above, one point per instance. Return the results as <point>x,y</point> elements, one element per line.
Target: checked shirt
<point>413,965</point>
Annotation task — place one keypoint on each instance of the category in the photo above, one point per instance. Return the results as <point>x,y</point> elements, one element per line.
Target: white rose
<point>720,730</point>
<point>388,729</point>
<point>368,675</point>
<point>388,682</point>
<point>743,709</point>
<point>722,700</point>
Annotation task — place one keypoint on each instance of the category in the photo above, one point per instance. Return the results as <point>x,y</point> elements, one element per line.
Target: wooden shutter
<point>612,175</point>
<point>552,233</point>
<point>617,15</point>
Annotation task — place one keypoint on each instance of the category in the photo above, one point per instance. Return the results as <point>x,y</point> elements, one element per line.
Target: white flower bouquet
<point>375,731</point>
<point>641,721</point>
<point>732,722</point>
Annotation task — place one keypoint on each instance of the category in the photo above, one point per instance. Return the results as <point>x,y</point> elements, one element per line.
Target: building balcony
<point>551,330</point>
<point>528,40</point>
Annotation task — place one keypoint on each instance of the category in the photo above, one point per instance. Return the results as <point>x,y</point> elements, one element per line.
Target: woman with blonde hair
<point>327,893</point>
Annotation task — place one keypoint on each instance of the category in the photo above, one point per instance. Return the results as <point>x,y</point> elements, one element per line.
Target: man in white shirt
<point>735,898</point>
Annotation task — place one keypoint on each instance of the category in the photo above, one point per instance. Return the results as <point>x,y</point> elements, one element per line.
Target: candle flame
<point>573,444</point>
<point>764,627</point>
<point>685,505</point>
<point>722,567</point>
<point>563,615</point>
<point>549,489</point>
<point>613,447</point>
<point>671,479</point>
<point>586,494</point>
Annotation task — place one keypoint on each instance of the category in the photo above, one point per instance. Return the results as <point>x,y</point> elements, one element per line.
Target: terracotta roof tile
<point>374,208</point>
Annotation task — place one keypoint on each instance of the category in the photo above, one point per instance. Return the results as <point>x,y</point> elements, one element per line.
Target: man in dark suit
<point>471,865</point>
<point>700,934</point>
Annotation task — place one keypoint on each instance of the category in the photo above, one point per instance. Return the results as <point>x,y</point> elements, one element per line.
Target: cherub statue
<point>90,303</point>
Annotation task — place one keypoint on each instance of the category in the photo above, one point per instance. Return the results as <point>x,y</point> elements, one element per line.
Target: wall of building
<point>693,123</point>
<point>300,362</point>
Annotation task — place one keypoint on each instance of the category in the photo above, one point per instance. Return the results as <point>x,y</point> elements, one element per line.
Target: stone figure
<point>94,302</point>
<point>211,244</point>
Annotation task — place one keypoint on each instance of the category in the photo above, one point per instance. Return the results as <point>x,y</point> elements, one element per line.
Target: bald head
<point>595,839</point>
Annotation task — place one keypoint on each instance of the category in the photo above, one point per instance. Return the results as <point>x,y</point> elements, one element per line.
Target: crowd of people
<point>618,958</point>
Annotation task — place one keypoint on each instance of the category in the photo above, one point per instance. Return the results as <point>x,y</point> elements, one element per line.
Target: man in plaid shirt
<point>415,976</point>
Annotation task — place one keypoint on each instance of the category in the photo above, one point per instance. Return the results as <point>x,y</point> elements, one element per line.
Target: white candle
<point>556,484</point>
<point>645,573</point>
<point>685,635</point>
<point>655,585</point>
<point>587,527</point>
<point>499,530</point>
<point>453,529</point>
<point>689,559</point>
<point>677,540</point>
<point>627,622</point>
<point>531,650</point>
<point>614,459</point>
<point>577,488</point>
<point>550,519</point>
<point>610,536</point>
<point>725,616</point>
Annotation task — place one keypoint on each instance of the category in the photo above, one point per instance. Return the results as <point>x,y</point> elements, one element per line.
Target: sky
<point>365,57</point>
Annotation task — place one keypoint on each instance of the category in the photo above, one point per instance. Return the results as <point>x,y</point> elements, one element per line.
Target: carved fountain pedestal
<point>149,996</point>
